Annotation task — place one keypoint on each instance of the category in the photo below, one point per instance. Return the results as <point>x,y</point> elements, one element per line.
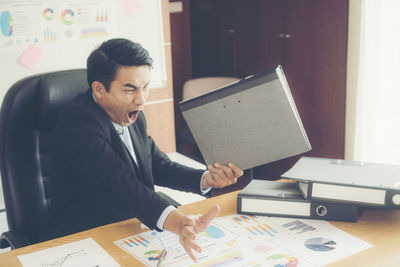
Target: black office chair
<point>28,113</point>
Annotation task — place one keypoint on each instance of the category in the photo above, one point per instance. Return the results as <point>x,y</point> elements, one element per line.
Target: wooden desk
<point>380,228</point>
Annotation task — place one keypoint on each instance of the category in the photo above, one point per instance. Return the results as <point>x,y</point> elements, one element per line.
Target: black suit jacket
<point>94,179</point>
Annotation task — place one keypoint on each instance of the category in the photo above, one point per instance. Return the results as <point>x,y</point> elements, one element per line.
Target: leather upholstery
<point>27,117</point>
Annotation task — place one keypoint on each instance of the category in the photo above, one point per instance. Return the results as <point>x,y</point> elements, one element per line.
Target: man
<point>105,165</point>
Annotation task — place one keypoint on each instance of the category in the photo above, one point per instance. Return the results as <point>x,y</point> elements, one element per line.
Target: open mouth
<point>133,116</point>
<point>133,113</point>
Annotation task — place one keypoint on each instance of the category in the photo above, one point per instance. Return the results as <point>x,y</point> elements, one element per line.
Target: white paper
<point>81,253</point>
<point>240,240</point>
<point>319,241</point>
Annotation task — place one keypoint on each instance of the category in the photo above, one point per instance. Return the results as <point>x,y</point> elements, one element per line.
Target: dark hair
<point>104,62</point>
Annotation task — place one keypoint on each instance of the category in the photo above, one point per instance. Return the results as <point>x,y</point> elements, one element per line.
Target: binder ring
<point>321,210</point>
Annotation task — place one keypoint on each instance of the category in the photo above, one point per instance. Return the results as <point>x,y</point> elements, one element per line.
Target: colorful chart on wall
<point>243,240</point>
<point>68,30</point>
<point>6,23</point>
<point>52,22</point>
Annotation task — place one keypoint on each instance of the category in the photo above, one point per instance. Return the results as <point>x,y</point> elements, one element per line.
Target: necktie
<point>126,138</point>
<point>119,128</point>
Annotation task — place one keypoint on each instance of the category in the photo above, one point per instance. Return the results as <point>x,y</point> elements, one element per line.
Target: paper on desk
<point>229,241</point>
<point>81,253</point>
<point>241,240</point>
<point>318,241</point>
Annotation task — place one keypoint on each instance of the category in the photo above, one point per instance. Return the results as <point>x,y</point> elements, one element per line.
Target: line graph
<point>61,261</point>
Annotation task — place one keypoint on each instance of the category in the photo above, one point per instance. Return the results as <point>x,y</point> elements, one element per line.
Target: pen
<point>162,257</point>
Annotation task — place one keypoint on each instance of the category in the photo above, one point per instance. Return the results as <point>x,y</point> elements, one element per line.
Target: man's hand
<point>187,227</point>
<point>220,176</point>
<point>201,223</point>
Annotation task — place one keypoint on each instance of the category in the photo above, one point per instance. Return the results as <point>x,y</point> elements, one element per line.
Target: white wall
<point>353,55</point>
<point>145,27</point>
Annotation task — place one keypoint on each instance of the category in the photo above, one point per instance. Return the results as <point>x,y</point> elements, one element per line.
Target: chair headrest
<point>199,86</point>
<point>56,90</point>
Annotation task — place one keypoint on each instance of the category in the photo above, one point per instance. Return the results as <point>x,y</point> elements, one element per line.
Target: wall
<point>63,52</point>
<point>181,52</point>
<point>353,55</point>
<point>159,109</point>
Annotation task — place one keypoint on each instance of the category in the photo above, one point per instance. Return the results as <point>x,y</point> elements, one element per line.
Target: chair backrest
<point>199,86</point>
<point>27,117</point>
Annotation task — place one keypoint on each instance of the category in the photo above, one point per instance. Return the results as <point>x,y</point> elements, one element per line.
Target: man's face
<point>127,95</point>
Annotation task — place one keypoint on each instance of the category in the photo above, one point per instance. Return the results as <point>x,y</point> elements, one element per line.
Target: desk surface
<point>380,228</point>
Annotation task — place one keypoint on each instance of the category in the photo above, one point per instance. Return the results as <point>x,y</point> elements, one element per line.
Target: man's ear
<point>98,89</point>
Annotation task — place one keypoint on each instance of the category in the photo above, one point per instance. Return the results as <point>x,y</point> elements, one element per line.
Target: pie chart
<point>282,260</point>
<point>320,244</point>
<point>153,255</point>
<point>68,17</point>
<point>6,23</point>
<point>48,14</point>
<point>214,232</point>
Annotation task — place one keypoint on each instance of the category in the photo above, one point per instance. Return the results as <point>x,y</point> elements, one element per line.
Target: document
<point>81,253</point>
<point>244,240</point>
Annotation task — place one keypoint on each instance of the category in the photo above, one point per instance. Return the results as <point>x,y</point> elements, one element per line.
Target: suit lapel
<point>132,161</point>
<point>122,150</point>
<point>116,141</point>
<point>140,153</point>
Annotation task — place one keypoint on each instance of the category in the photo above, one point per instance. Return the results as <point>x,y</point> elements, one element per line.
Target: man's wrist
<point>205,188</point>
<point>163,216</point>
<point>204,178</point>
<point>173,221</point>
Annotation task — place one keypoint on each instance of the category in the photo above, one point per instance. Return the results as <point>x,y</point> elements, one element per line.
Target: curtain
<point>377,125</point>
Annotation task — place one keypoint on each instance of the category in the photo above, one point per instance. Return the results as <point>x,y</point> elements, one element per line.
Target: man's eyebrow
<point>130,85</point>
<point>134,86</point>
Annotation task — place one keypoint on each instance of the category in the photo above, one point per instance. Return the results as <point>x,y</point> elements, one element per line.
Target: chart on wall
<point>50,35</point>
<point>51,22</point>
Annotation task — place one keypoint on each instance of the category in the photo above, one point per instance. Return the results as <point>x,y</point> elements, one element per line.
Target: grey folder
<point>249,123</point>
<point>347,181</point>
<point>285,199</point>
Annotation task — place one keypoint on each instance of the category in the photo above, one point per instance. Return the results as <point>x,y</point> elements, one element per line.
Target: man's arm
<point>87,147</point>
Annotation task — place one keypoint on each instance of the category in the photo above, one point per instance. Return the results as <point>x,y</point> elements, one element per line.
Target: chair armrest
<point>14,239</point>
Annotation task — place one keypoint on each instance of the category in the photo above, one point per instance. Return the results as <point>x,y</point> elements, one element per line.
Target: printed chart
<point>320,244</point>
<point>85,252</point>
<point>298,227</point>
<point>237,240</point>
<point>148,246</point>
<point>317,241</point>
<point>243,240</point>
